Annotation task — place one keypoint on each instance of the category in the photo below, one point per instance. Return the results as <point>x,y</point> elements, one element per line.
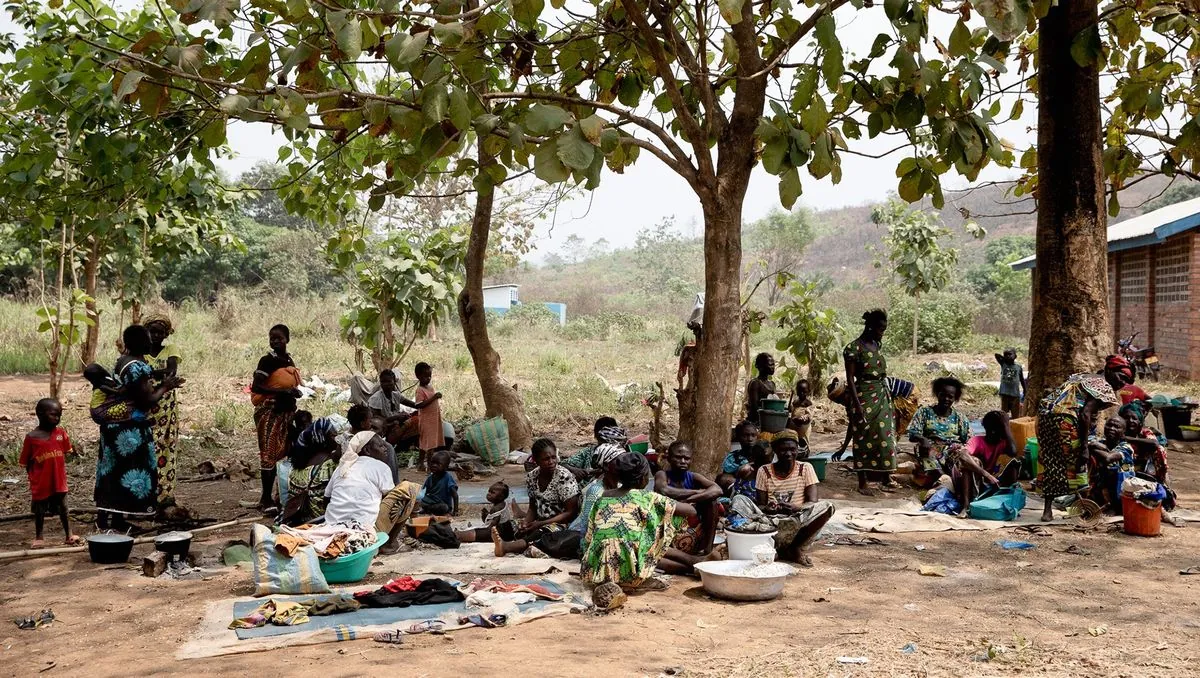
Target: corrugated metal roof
<point>1147,229</point>
<point>492,287</point>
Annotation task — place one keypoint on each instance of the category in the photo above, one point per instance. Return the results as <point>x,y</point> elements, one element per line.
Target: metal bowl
<point>743,579</point>
<point>109,549</point>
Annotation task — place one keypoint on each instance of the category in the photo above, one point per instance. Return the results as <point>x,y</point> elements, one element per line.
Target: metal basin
<point>743,579</point>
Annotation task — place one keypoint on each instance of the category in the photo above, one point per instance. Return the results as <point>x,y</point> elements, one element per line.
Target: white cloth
<point>355,494</point>
<point>494,599</point>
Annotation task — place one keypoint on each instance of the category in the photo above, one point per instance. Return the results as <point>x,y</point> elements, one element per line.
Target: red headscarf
<point>1119,365</point>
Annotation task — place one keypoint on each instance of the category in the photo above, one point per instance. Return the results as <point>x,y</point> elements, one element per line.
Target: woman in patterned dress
<point>126,466</point>
<point>870,400</point>
<point>164,359</point>
<point>1066,417</point>
<point>629,534</point>
<point>938,429</point>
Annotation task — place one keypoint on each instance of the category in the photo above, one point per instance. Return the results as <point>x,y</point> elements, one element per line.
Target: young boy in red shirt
<point>44,456</point>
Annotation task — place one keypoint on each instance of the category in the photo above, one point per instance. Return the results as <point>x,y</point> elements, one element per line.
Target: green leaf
<point>1086,49</point>
<point>774,154</point>
<point>731,11</point>
<point>593,127</point>
<point>213,134</point>
<point>729,49</point>
<point>909,187</point>
<point>234,104</point>
<point>543,119</point>
<point>806,86</point>
<point>894,8</point>
<point>434,102</point>
<point>826,32</point>
<point>348,36</point>
<point>375,111</point>
<point>129,83</point>
<point>1114,205</point>
<point>790,188</point>
<point>527,12</point>
<point>960,39</point>
<point>909,110</point>
<point>460,110</point>
<point>574,149</point>
<point>449,34</point>
<point>402,49</point>
<point>547,166</point>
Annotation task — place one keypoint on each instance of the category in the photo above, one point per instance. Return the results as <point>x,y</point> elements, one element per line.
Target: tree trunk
<point>87,354</point>
<point>499,397</point>
<point>716,367</point>
<point>916,318</point>
<point>1069,332</point>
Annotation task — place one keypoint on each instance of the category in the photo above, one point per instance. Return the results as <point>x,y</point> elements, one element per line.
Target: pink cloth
<point>429,420</point>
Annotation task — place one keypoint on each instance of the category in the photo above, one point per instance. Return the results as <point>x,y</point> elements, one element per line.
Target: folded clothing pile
<point>291,613</point>
<point>329,541</point>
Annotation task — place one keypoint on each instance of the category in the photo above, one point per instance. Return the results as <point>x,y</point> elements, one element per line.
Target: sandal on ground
<point>804,560</point>
<point>430,625</point>
<point>889,488</point>
<point>37,544</point>
<point>390,637</point>
<point>74,540</point>
<point>1195,569</point>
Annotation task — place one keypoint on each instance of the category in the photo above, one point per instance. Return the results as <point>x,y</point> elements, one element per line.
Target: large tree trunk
<point>499,397</point>
<point>1069,332</point>
<point>87,354</point>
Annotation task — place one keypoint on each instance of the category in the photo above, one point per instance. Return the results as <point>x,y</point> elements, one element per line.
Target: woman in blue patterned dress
<point>127,467</point>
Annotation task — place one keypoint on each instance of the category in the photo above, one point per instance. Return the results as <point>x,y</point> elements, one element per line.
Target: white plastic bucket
<point>741,545</point>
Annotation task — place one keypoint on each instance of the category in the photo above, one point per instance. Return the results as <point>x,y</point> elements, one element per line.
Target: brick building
<point>1153,264</point>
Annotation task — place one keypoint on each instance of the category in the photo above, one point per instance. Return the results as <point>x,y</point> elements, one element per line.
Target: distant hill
<point>611,281</point>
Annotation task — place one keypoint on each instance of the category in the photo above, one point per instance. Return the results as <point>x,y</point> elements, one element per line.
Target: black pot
<point>174,544</point>
<point>109,549</point>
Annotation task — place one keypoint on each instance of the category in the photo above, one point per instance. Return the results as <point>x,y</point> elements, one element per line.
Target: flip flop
<point>390,637</point>
<point>1195,569</point>
<point>430,625</point>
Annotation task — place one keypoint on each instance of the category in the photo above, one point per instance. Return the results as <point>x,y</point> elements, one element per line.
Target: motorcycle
<point>1143,360</point>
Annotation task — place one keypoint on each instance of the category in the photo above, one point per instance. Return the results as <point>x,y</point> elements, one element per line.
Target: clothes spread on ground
<point>429,592</point>
<point>329,541</point>
<point>291,613</point>
<point>496,586</point>
<point>46,462</point>
<point>405,583</point>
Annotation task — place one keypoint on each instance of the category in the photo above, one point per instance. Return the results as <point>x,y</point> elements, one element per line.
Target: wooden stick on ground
<point>37,553</point>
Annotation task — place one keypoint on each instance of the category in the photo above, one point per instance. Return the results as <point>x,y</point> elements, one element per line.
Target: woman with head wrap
<point>164,359</point>
<point>1128,392</point>
<point>629,534</point>
<point>868,401</point>
<point>1146,448</point>
<point>605,430</point>
<point>1066,419</point>
<point>312,456</point>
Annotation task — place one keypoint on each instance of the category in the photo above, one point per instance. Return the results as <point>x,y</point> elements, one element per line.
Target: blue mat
<point>368,616</point>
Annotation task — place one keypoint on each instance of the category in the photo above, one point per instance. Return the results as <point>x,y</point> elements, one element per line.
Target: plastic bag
<point>943,501</point>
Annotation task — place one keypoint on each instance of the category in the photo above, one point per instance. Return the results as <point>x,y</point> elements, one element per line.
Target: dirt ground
<point>1120,610</point>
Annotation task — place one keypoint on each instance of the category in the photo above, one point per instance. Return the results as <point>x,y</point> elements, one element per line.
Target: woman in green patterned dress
<point>871,405</point>
<point>629,534</point>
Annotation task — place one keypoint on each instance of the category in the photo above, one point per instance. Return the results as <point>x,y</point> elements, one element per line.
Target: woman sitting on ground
<point>989,459</point>
<point>553,504</point>
<point>1148,448</point>
<point>360,419</point>
<point>629,534</point>
<point>745,437</point>
<point>313,462</point>
<point>1110,457</point>
<point>936,427</point>
<point>605,430</point>
<point>788,488</point>
<point>677,481</point>
<point>358,484</point>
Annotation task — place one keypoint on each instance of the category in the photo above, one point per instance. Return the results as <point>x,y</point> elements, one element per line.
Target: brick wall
<point>1193,322</point>
<point>1174,279</point>
<point>1132,312</point>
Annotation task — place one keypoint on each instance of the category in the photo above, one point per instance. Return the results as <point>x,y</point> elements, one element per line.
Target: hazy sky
<point>647,192</point>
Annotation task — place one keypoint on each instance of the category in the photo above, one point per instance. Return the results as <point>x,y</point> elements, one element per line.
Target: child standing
<point>44,456</point>
<point>429,413</point>
<point>441,487</point>
<point>1012,382</point>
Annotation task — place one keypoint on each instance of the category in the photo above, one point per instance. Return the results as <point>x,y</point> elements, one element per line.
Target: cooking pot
<point>174,544</point>
<point>109,549</point>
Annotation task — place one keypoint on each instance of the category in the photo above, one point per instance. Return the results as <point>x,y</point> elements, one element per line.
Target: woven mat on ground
<point>469,559</point>
<point>213,638</point>
<point>894,520</point>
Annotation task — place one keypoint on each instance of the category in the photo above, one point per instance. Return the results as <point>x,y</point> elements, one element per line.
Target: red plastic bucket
<point>1139,520</point>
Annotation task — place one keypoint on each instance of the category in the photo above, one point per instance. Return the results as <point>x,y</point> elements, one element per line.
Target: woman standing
<point>1066,417</point>
<point>871,404</point>
<point>274,391</point>
<point>164,359</point>
<point>126,467</point>
<point>760,386</point>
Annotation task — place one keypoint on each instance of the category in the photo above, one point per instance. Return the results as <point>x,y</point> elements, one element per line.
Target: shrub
<point>531,315</point>
<point>462,363</point>
<point>945,322</point>
<point>584,328</point>
<point>553,362</point>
